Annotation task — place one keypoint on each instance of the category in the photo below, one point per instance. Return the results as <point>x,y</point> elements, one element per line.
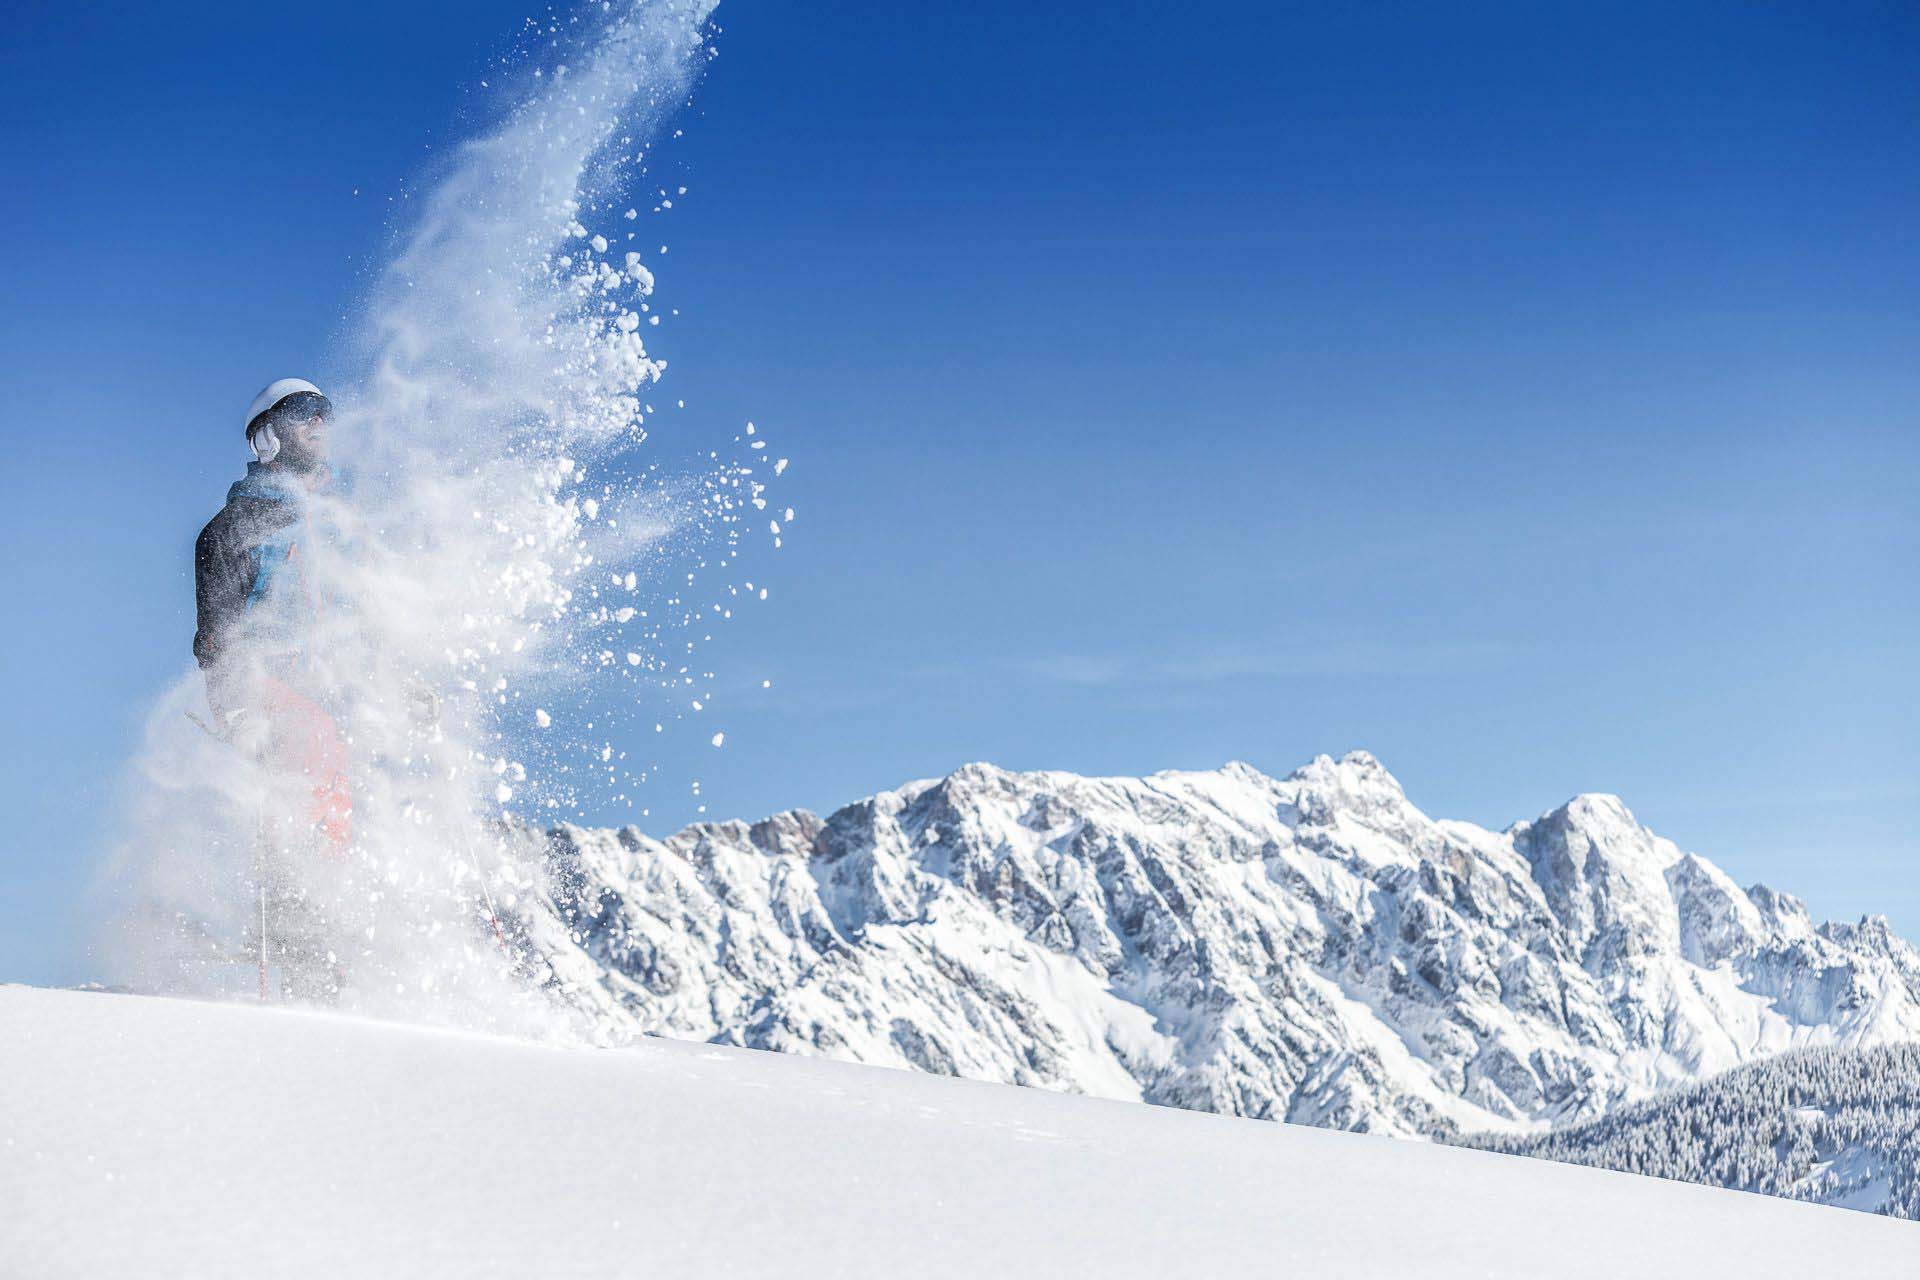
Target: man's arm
<point>222,572</point>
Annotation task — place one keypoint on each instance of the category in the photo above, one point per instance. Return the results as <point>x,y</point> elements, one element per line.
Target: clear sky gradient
<point>1525,393</point>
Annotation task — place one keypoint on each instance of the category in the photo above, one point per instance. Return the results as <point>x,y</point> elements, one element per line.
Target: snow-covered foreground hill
<point>143,1137</point>
<point>1311,948</point>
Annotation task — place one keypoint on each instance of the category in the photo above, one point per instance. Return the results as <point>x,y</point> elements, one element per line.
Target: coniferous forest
<point>1831,1126</point>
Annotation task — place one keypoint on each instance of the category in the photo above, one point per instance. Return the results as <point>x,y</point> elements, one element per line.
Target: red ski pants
<point>307,754</point>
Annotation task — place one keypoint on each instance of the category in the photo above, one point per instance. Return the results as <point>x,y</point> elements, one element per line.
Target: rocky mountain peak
<point>1312,947</point>
<point>1355,773</point>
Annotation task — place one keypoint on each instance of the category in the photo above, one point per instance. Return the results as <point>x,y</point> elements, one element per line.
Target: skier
<point>258,614</point>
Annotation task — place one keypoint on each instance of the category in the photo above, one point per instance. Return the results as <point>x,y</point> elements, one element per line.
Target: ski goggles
<point>299,409</point>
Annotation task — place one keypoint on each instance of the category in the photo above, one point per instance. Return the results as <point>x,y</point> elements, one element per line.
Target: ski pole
<point>263,936</point>
<point>493,917</point>
<point>260,861</point>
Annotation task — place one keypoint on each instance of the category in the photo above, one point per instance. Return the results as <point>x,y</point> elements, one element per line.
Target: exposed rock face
<point>1310,948</point>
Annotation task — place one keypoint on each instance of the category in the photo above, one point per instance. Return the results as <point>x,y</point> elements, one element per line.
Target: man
<point>258,612</point>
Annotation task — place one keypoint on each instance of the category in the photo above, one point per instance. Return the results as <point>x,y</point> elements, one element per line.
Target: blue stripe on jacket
<point>270,556</point>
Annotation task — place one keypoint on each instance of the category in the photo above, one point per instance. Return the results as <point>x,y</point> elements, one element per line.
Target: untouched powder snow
<point>144,1136</point>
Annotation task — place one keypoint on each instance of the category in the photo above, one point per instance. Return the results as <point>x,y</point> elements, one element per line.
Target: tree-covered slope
<point>1832,1126</point>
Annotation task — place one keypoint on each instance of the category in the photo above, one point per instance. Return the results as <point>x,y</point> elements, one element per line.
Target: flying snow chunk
<point>541,718</point>
<point>719,738</point>
<point>503,793</point>
<point>599,244</point>
<point>633,659</point>
<point>640,276</point>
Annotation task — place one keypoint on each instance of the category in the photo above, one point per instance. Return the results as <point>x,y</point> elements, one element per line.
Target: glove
<point>423,705</point>
<point>248,732</point>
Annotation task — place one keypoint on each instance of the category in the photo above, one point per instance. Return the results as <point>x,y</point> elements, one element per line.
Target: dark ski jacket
<point>255,606</point>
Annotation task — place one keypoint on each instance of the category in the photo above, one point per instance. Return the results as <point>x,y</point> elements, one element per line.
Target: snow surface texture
<point>1831,1126</point>
<point>163,1137</point>
<point>1311,948</point>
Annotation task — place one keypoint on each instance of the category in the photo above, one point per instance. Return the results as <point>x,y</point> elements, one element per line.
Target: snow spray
<point>484,561</point>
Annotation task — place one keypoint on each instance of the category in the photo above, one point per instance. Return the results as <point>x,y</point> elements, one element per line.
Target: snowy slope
<point>154,1137</point>
<point>1312,948</point>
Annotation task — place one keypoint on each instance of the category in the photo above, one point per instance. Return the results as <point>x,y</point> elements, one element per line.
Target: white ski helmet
<point>265,443</point>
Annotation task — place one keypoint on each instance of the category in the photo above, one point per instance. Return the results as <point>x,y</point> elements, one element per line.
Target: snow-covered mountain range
<point>1311,948</point>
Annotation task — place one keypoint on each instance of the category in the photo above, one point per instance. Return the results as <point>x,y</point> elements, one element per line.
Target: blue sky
<point>1523,392</point>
